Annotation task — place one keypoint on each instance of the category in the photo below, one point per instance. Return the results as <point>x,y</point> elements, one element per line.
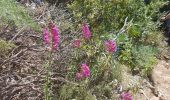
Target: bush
<point>75,92</point>
<point>106,16</point>
<point>105,19</point>
<point>144,58</point>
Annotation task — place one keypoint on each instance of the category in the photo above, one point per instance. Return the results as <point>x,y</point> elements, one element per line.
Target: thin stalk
<point>47,86</point>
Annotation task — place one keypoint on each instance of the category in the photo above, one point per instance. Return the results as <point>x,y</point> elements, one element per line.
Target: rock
<point>154,98</point>
<point>161,79</point>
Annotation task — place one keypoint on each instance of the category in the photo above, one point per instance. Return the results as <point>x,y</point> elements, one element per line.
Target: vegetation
<point>107,18</point>
<point>86,45</point>
<point>11,12</point>
<point>5,47</point>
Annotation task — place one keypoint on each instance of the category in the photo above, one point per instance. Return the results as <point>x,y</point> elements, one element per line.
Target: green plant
<point>144,58</point>
<point>13,12</point>
<point>134,32</point>
<point>105,16</point>
<point>5,47</point>
<point>105,19</point>
<point>125,47</point>
<point>48,83</point>
<point>78,92</point>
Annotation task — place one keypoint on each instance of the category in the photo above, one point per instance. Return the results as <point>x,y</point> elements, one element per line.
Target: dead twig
<point>12,57</point>
<point>19,31</point>
<point>147,98</point>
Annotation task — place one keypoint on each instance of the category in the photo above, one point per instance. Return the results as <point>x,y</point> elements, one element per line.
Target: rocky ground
<point>159,86</point>
<point>156,87</point>
<point>161,79</point>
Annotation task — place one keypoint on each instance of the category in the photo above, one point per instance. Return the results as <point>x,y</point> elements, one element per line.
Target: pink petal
<point>111,46</point>
<point>79,76</point>
<point>56,37</point>
<point>77,43</point>
<point>46,36</point>
<point>87,34</point>
<point>86,70</point>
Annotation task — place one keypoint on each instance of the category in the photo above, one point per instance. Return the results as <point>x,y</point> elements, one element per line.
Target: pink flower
<point>79,76</point>
<point>85,70</point>
<point>126,96</point>
<point>77,43</point>
<point>56,37</point>
<point>111,46</point>
<point>46,36</point>
<point>86,31</point>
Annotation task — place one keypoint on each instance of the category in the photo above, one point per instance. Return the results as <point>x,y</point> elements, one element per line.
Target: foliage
<point>138,57</point>
<point>134,44</point>
<point>16,14</point>
<point>106,16</point>
<point>75,92</point>
<point>5,47</point>
<point>144,57</point>
<point>106,19</point>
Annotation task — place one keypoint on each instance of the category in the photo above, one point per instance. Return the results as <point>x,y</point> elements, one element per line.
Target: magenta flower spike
<point>46,36</point>
<point>56,37</point>
<point>111,46</point>
<point>77,43</point>
<point>126,96</point>
<point>85,70</point>
<point>86,31</point>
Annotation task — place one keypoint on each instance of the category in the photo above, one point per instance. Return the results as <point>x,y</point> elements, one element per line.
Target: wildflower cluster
<point>110,45</point>
<point>53,36</point>
<point>84,70</point>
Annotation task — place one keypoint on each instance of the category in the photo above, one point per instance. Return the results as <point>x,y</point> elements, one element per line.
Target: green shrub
<point>144,58</point>
<point>138,57</point>
<point>134,32</point>
<point>78,92</point>
<point>106,16</point>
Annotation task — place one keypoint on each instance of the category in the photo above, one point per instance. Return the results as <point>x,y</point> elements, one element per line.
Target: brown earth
<point>161,79</point>
<point>155,88</point>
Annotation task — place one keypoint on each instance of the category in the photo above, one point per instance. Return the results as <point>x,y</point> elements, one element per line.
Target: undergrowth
<point>5,47</point>
<point>99,35</point>
<point>13,12</point>
<point>144,59</point>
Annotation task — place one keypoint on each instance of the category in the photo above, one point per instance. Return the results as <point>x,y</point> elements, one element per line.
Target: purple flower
<point>126,96</point>
<point>56,37</point>
<point>111,46</point>
<point>86,31</point>
<point>46,36</point>
<point>85,70</point>
<point>77,43</point>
